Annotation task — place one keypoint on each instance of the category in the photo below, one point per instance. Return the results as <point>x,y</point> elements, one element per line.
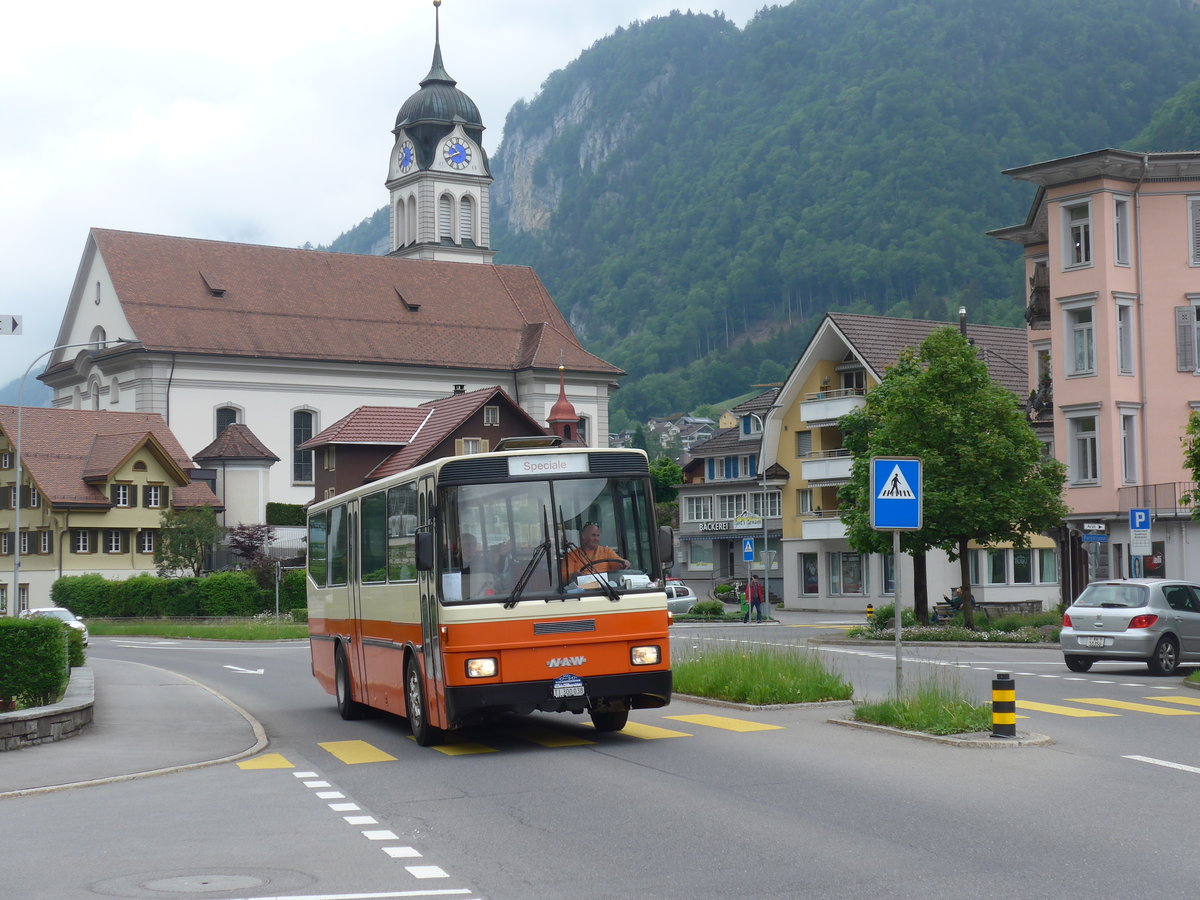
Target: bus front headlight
<point>483,667</point>
<point>650,655</point>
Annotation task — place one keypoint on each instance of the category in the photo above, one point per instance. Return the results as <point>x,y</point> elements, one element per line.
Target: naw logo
<point>559,662</point>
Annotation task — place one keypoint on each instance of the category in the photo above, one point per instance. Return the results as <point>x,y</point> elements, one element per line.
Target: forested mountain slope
<point>684,187</point>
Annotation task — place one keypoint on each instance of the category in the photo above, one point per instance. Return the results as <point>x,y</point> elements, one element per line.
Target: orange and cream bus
<point>475,585</point>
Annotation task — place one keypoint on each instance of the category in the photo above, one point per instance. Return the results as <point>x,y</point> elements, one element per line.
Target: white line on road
<point>1166,764</point>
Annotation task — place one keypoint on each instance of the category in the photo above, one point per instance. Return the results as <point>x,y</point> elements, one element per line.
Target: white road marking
<point>1165,763</point>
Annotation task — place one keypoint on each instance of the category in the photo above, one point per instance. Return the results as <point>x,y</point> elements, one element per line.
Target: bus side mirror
<point>424,551</point>
<point>666,545</point>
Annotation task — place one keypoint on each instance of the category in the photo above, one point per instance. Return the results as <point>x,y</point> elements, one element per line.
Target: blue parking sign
<point>1139,519</point>
<point>895,493</point>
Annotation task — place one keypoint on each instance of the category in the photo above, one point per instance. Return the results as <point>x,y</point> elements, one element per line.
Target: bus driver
<point>591,558</point>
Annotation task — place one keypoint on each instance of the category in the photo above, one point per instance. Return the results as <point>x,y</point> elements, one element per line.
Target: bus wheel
<point>609,719</point>
<point>348,707</point>
<point>418,714</point>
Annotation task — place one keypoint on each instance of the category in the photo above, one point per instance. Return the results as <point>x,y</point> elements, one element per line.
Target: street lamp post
<point>15,602</point>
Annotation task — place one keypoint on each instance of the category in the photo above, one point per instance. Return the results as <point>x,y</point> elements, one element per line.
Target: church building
<point>286,342</point>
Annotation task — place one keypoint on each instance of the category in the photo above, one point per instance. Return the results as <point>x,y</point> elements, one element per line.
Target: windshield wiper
<point>602,579</point>
<point>514,596</point>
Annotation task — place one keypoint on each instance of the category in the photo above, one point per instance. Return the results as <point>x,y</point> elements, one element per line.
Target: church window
<point>99,338</point>
<point>302,460</point>
<point>446,218</point>
<point>466,221</point>
<point>226,416</point>
<point>411,232</point>
<point>400,217</point>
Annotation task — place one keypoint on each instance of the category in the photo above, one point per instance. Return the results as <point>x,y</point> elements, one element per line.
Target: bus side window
<point>318,548</point>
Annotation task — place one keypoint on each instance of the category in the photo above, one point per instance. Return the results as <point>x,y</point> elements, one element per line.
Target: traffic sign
<point>1093,538</point>
<point>895,493</point>
<point>10,324</point>
<point>1139,532</point>
<point>748,549</point>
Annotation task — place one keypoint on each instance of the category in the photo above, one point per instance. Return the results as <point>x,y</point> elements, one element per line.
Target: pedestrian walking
<point>754,598</point>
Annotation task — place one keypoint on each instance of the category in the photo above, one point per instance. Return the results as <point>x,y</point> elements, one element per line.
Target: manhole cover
<point>190,884</point>
<point>200,883</point>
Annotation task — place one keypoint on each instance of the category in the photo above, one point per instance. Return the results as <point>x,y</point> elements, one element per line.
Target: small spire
<point>437,71</point>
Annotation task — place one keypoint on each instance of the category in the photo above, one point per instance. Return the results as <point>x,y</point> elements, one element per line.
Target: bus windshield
<point>546,539</point>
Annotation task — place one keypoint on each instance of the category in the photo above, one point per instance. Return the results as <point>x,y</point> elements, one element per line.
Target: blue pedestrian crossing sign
<point>895,493</point>
<point>748,549</point>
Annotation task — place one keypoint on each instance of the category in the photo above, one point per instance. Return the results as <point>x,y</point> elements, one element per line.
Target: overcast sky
<point>254,121</point>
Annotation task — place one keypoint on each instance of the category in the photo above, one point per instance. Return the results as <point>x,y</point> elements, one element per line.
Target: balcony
<point>1037,313</point>
<point>826,407</point>
<point>1169,500</point>
<point>823,527</point>
<point>828,467</point>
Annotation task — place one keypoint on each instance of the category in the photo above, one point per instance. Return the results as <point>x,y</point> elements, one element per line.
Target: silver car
<point>1150,620</point>
<point>680,597</point>
<point>63,615</point>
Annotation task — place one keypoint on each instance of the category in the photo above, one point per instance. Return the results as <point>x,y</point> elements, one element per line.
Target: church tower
<point>438,177</point>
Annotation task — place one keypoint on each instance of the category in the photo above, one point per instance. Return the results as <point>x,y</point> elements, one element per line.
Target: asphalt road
<point>695,800</point>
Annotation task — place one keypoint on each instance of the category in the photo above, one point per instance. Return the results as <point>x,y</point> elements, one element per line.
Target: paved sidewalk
<point>147,721</point>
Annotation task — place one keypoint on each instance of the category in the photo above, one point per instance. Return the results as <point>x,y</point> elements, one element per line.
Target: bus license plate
<point>568,686</point>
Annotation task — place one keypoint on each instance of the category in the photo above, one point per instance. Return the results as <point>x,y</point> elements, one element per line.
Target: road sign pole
<point>896,588</point>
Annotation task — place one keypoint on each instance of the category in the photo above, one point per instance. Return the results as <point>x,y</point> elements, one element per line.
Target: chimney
<point>460,389</point>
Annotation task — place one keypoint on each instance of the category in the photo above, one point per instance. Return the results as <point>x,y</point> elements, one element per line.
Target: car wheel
<point>418,718</point>
<point>348,707</point>
<point>1079,663</point>
<point>609,719</point>
<point>1166,657</point>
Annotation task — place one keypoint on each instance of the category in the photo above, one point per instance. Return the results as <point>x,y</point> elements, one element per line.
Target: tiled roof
<point>724,442</point>
<point>60,448</point>
<point>236,441</point>
<point>211,297</point>
<point>445,415</point>
<point>376,425</point>
<point>879,340</point>
<point>758,403</point>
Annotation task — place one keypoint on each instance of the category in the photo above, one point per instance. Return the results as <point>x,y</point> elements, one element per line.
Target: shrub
<point>293,591</point>
<point>183,597</point>
<point>143,596</point>
<point>707,608</point>
<point>35,661</point>
<point>227,594</point>
<point>85,595</point>
<point>75,652</point>
<point>286,514</point>
<point>300,614</point>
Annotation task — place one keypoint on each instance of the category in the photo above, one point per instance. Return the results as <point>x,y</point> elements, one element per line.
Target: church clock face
<point>406,156</point>
<point>456,153</point>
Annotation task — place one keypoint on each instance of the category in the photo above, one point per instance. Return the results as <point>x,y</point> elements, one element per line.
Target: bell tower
<point>438,178</point>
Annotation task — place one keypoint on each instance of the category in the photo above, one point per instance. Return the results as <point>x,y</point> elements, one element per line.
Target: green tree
<point>1191,460</point>
<point>666,475</point>
<point>985,476</point>
<point>185,537</point>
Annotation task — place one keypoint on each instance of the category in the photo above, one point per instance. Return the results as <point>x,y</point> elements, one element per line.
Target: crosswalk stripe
<point>725,723</point>
<point>651,732</point>
<point>266,761</point>
<point>544,737</point>
<point>354,752</point>
<point>1182,701</point>
<point>1133,707</point>
<point>1061,710</point>
<point>466,748</point>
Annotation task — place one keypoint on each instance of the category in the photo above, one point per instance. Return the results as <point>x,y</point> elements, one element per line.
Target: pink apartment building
<point>1112,264</point>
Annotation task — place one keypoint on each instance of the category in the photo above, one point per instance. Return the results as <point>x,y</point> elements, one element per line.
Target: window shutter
<point>145,495</point>
<point>5,497</point>
<point>1195,241</point>
<point>164,494</point>
<point>112,494</point>
<point>458,446</point>
<point>1185,339</point>
<point>49,537</point>
<point>484,445</point>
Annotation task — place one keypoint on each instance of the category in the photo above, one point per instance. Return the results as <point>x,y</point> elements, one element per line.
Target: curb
<point>55,722</point>
<point>981,740</point>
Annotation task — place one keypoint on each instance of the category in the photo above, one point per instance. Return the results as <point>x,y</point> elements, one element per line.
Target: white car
<point>680,597</point>
<point>63,615</point>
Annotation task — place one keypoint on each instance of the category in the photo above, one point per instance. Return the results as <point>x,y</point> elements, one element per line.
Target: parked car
<point>680,597</point>
<point>64,615</point>
<point>1151,620</point>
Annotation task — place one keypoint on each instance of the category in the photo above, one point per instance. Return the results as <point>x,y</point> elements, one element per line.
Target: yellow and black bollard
<point>870,612</point>
<point>1004,706</point>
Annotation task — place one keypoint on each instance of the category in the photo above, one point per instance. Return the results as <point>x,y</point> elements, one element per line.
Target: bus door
<point>358,655</point>
<point>431,639</point>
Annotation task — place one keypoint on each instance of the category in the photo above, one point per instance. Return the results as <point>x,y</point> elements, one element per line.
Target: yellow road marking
<point>547,738</point>
<point>1061,710</point>
<point>266,761</point>
<point>354,752</point>
<point>1135,707</point>
<point>1183,701</point>
<point>651,732</point>
<point>725,723</point>
<point>465,748</point>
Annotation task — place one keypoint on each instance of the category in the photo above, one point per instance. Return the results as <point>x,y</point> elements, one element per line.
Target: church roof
<point>438,100</point>
<point>236,441</point>
<point>215,298</point>
<point>66,451</point>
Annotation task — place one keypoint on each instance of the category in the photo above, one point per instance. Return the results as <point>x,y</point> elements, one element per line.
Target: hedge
<point>148,596</point>
<point>286,514</point>
<point>35,671</point>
